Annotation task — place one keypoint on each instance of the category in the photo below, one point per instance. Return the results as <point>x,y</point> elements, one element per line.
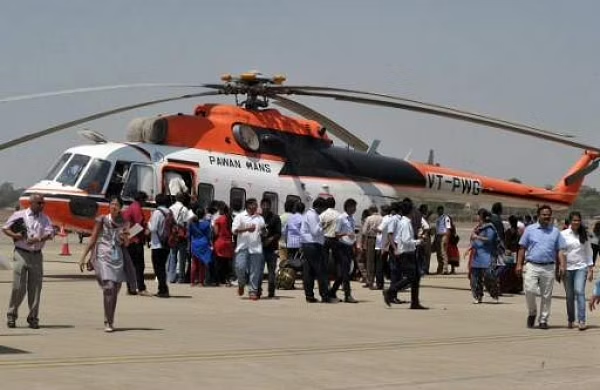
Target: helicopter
<point>249,149</point>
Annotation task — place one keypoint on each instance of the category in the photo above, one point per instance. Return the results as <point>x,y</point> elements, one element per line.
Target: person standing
<point>579,268</point>
<point>540,246</point>
<point>178,258</point>
<point>595,241</point>
<point>426,234</point>
<point>159,243</point>
<point>134,215</point>
<point>328,220</point>
<point>484,243</point>
<point>443,227</point>
<point>270,242</point>
<point>311,242</point>
<point>369,244</point>
<point>346,242</point>
<point>110,258</point>
<point>201,245</point>
<point>29,230</point>
<point>249,261</point>
<point>223,245</point>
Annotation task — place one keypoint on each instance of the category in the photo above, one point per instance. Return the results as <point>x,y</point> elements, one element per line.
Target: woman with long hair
<point>579,268</point>
<point>200,233</point>
<point>484,244</point>
<point>109,258</point>
<point>223,245</point>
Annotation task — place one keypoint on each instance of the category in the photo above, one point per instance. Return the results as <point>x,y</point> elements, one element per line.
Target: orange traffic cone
<point>65,246</point>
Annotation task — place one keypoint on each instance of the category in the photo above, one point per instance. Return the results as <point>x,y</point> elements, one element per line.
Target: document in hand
<point>135,230</point>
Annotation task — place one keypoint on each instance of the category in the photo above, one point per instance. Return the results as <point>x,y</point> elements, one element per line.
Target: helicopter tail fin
<point>570,184</point>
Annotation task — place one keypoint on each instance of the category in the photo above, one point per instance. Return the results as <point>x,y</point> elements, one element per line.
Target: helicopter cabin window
<point>72,171</point>
<point>237,198</point>
<point>117,179</point>
<point>95,177</point>
<point>206,194</point>
<point>58,166</point>
<point>139,178</point>
<point>274,198</point>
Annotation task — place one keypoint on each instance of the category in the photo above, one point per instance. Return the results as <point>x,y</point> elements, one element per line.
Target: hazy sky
<point>535,62</point>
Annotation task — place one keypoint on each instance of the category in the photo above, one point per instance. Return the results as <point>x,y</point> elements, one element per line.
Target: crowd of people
<point>211,246</point>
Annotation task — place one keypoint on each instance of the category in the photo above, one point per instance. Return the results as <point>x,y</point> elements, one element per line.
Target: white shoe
<point>234,283</point>
<point>476,301</point>
<point>108,328</point>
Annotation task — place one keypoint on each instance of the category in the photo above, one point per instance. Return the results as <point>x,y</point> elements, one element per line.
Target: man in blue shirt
<point>540,247</point>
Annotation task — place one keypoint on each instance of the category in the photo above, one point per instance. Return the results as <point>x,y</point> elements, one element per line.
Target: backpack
<point>165,233</point>
<point>177,233</point>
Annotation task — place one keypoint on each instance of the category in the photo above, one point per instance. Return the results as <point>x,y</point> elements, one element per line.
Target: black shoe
<point>350,299</point>
<point>418,306</point>
<point>33,324</point>
<point>131,292</point>
<point>375,288</point>
<point>11,324</point>
<point>397,301</point>
<point>330,300</point>
<point>530,321</point>
<point>162,295</point>
<point>543,325</point>
<point>386,298</point>
<point>311,300</point>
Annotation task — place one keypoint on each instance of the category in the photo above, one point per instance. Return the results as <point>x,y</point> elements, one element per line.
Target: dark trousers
<point>395,271</point>
<point>344,259</point>
<point>224,269</point>
<point>314,268</point>
<point>411,276</point>
<point>595,249</point>
<point>379,269</point>
<point>271,261</point>
<point>136,252</point>
<point>159,263</point>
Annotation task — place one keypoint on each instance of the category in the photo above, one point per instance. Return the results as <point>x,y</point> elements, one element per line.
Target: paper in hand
<point>135,230</point>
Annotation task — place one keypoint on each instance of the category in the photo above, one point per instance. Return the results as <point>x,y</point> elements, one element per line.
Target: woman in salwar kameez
<point>109,258</point>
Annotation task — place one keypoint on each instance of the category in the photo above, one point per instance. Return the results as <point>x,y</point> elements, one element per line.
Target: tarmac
<point>210,338</point>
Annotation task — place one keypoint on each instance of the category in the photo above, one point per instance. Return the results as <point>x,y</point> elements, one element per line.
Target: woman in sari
<point>484,244</point>
<point>109,258</point>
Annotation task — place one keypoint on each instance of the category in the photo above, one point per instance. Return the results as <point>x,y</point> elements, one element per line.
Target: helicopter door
<point>139,177</point>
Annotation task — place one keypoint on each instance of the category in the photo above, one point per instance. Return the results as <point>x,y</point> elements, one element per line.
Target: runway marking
<point>277,352</point>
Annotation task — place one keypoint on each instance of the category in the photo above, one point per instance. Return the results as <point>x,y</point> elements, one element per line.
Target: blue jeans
<point>249,268</point>
<point>177,263</point>
<point>575,290</point>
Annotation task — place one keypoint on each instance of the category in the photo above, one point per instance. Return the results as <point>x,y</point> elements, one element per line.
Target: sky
<point>534,62</point>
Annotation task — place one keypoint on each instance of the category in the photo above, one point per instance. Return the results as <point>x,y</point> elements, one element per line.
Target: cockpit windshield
<point>72,171</point>
<point>58,166</point>
<point>95,177</point>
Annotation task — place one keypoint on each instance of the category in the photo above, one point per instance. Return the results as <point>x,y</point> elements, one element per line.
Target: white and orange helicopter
<point>234,152</point>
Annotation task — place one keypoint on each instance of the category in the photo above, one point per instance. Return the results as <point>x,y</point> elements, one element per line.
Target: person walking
<point>484,243</point>
<point>135,215</point>
<point>109,258</point>
<point>29,229</point>
<point>540,246</point>
<point>579,268</point>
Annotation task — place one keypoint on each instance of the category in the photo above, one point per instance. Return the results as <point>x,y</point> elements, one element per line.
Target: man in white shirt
<point>159,248</point>
<point>405,246</point>
<point>175,183</point>
<point>346,236</point>
<point>328,220</point>
<point>369,238</point>
<point>178,258</point>
<point>249,261</point>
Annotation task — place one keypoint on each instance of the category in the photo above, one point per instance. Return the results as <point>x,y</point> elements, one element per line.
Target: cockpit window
<point>73,170</point>
<point>58,166</point>
<point>95,177</point>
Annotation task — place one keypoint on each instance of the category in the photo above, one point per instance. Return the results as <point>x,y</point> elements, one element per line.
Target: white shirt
<point>345,225</point>
<point>248,240</point>
<point>175,182</point>
<point>155,225</point>
<point>311,231</point>
<point>404,237</point>
<point>442,225</point>
<point>328,220</point>
<point>578,255</point>
<point>181,214</point>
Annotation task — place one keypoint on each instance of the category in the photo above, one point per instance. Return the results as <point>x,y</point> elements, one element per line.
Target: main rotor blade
<point>95,89</point>
<point>334,128</point>
<point>453,115</point>
<point>292,89</point>
<point>99,115</point>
